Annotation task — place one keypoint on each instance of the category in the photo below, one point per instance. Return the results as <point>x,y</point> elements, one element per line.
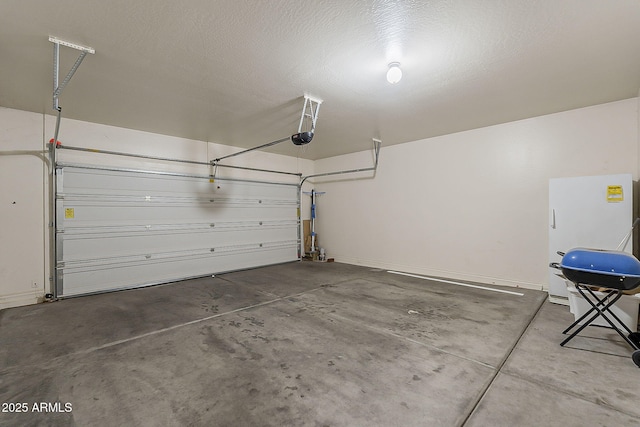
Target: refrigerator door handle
<point>553,219</point>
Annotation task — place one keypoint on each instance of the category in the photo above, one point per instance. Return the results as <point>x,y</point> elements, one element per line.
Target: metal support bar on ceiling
<point>376,150</point>
<point>56,71</point>
<point>58,88</point>
<point>70,74</point>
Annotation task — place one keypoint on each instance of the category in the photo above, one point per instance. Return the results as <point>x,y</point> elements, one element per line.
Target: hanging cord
<point>625,240</point>
<point>215,171</point>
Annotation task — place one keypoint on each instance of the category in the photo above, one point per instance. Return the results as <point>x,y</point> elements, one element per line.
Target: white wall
<point>24,201</point>
<point>471,205</point>
<point>23,276</point>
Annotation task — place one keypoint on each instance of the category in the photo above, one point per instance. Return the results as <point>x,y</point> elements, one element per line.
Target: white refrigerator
<point>592,212</point>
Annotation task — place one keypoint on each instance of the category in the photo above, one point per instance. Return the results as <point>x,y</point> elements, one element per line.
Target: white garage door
<point>118,229</point>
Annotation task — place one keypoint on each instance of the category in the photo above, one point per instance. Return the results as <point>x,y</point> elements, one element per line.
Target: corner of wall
<point>638,133</point>
<point>636,184</point>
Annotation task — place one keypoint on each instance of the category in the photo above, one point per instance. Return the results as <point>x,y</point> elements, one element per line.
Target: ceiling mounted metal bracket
<point>58,88</point>
<point>309,112</point>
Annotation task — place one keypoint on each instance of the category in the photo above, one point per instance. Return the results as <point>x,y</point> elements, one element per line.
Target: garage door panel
<point>120,228</point>
<point>138,183</point>
<point>100,245</point>
<point>98,215</point>
<point>84,279</point>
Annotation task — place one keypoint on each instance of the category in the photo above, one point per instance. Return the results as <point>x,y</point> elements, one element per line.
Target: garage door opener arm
<point>309,112</point>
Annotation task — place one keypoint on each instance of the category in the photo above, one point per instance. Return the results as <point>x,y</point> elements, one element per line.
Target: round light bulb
<point>395,73</point>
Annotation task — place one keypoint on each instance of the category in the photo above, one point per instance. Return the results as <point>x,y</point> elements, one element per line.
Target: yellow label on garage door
<point>614,193</point>
<point>69,213</point>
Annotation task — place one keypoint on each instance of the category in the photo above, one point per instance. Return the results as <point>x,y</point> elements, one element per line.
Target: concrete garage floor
<point>311,344</point>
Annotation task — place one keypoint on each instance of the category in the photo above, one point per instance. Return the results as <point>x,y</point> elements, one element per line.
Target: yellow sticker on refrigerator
<point>614,194</point>
<point>69,213</point>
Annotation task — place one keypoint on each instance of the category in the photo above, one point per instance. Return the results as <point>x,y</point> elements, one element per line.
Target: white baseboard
<point>19,299</point>
<point>439,273</point>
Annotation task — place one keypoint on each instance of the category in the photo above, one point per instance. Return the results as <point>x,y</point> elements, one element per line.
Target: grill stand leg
<point>602,309</point>
<point>601,302</point>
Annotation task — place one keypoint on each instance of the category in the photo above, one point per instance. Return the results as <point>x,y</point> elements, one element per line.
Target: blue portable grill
<point>612,272</point>
<point>608,269</point>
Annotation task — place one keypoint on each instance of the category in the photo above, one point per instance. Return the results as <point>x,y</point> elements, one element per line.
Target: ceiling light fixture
<point>395,73</point>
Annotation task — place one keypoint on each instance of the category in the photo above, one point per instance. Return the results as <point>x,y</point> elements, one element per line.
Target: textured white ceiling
<point>234,72</point>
